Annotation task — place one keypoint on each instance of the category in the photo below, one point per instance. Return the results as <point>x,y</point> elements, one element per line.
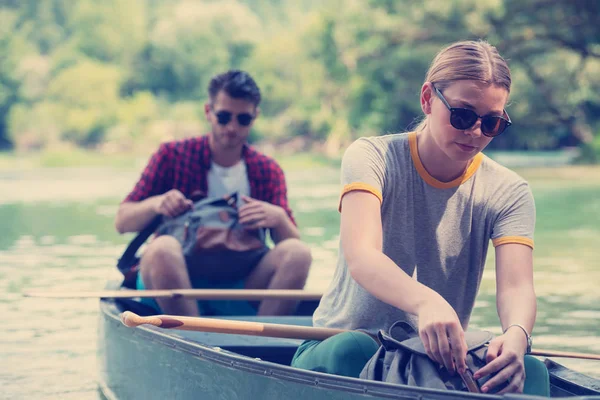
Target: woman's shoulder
<point>499,179</point>
<point>490,166</point>
<point>385,139</point>
<point>380,144</point>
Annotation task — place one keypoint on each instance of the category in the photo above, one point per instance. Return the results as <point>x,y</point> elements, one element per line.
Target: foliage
<point>119,75</point>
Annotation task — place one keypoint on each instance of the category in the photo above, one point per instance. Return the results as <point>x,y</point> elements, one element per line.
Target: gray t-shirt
<point>437,232</point>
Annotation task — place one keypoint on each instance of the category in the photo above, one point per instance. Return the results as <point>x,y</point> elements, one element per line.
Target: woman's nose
<point>475,130</point>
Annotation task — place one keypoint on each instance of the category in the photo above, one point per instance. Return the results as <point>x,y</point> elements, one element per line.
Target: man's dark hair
<point>237,84</point>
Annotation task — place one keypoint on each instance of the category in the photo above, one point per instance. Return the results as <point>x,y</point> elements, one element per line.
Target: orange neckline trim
<point>430,180</point>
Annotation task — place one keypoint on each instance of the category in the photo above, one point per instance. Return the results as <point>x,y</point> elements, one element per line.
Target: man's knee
<point>162,256</point>
<point>295,254</point>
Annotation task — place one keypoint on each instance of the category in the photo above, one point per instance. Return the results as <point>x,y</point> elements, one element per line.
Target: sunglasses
<point>224,117</point>
<point>464,118</point>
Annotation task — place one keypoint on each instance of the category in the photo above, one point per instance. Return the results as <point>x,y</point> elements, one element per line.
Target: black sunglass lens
<point>493,126</point>
<point>223,117</point>
<point>462,118</point>
<point>244,119</point>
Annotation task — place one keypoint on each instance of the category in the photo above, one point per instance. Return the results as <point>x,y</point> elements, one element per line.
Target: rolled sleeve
<point>155,177</point>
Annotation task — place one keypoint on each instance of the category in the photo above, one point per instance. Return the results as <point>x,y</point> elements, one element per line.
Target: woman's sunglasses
<point>224,117</point>
<point>464,118</point>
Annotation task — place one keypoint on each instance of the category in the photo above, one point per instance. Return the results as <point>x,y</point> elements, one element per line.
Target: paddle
<point>201,294</point>
<point>273,330</point>
<point>228,326</point>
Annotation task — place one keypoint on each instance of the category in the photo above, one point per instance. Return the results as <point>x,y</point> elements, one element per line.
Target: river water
<point>57,234</point>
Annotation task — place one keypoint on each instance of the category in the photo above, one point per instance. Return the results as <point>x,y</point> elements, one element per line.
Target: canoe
<point>151,363</point>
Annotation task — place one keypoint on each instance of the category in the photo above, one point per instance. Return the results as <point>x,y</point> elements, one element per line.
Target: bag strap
<point>128,256</point>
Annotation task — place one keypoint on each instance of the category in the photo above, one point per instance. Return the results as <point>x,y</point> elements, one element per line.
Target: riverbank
<point>76,157</point>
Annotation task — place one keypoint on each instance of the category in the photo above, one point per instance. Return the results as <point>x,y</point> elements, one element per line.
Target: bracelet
<point>526,335</point>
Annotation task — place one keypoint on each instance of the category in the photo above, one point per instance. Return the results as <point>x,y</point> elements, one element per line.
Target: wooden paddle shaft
<point>228,326</point>
<point>564,354</point>
<point>200,294</point>
<point>274,330</point>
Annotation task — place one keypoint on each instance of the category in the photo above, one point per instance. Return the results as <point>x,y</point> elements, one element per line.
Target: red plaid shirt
<point>184,165</point>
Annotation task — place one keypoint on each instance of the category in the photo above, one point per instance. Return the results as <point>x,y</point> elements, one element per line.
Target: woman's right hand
<point>442,334</point>
<point>172,203</point>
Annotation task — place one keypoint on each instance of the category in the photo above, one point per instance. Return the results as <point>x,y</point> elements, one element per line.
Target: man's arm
<point>286,229</point>
<point>256,214</point>
<point>134,216</point>
<point>145,201</point>
<point>278,215</point>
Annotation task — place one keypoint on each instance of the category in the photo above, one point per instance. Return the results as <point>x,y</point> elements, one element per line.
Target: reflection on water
<point>58,235</point>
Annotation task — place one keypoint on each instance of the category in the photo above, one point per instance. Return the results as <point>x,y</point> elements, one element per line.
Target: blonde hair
<point>467,60</point>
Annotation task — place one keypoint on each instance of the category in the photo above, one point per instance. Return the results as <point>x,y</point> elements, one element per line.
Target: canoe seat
<point>275,350</point>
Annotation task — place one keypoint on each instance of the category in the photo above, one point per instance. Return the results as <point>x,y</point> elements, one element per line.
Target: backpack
<point>401,359</point>
<point>211,226</point>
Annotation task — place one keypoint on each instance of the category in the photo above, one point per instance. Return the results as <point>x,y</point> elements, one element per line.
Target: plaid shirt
<point>184,165</point>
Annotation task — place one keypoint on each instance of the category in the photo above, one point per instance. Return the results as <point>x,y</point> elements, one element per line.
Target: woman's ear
<point>426,97</point>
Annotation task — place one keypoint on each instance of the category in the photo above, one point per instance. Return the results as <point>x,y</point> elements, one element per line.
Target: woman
<point>417,213</point>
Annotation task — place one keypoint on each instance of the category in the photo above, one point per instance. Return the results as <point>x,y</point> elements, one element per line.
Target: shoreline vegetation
<point>120,75</point>
<point>538,166</point>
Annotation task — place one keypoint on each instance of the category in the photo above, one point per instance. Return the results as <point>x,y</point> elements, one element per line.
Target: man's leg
<point>283,267</point>
<point>163,267</point>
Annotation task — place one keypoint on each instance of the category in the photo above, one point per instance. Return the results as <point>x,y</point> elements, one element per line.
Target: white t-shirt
<point>225,180</point>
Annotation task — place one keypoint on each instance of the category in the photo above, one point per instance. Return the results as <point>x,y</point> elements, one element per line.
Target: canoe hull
<point>150,363</point>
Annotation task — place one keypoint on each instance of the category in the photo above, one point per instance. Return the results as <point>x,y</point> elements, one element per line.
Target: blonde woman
<point>418,211</point>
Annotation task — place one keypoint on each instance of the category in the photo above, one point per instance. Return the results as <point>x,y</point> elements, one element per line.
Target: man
<point>218,164</point>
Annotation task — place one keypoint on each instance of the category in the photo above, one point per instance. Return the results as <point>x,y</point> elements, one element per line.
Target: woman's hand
<point>505,356</point>
<point>442,334</point>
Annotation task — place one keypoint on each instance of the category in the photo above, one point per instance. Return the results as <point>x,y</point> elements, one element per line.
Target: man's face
<point>230,120</point>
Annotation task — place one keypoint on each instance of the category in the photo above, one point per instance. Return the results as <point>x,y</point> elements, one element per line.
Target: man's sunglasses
<point>224,117</point>
<point>464,118</point>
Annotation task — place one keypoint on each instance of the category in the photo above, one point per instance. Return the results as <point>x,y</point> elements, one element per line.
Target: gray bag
<point>402,359</point>
<point>211,229</point>
<point>212,225</point>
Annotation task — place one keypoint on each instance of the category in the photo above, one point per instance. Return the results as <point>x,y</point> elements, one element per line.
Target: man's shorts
<point>237,280</point>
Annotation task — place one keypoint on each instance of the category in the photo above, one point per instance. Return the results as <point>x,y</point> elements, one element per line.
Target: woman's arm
<point>516,304</point>
<point>362,242</point>
<point>515,295</point>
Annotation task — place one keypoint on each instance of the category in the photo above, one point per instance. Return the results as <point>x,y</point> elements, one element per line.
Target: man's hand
<point>257,214</point>
<point>505,356</point>
<point>172,203</point>
<point>442,334</point>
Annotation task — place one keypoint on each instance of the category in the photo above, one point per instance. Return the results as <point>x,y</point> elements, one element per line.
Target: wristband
<point>529,342</point>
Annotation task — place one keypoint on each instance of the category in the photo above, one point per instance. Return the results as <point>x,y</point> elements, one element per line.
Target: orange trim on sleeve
<point>512,239</point>
<point>364,187</point>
